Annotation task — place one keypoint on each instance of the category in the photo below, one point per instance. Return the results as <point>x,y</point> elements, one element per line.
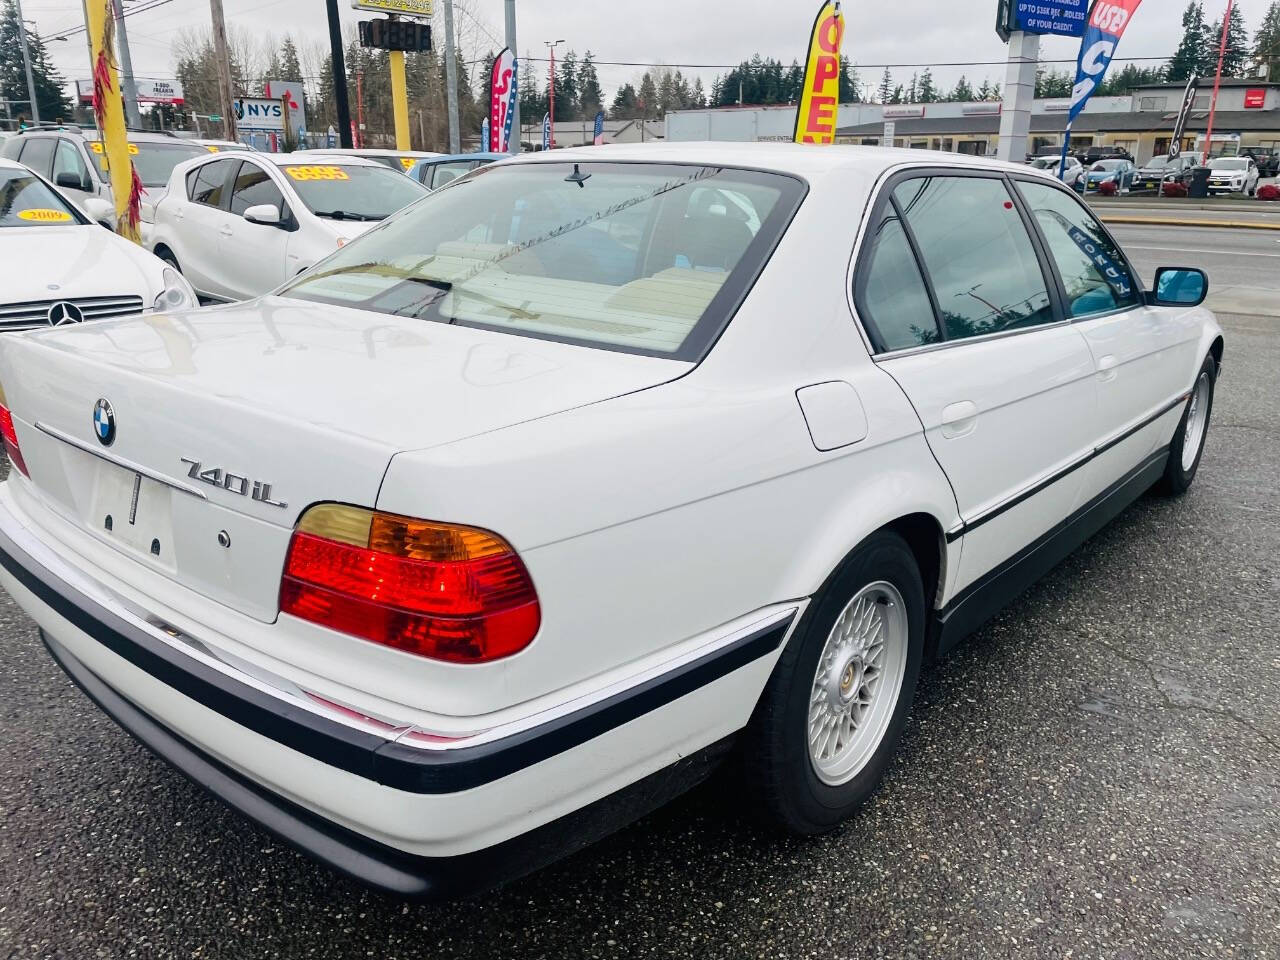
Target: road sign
<point>406,8</point>
<point>1062,18</point>
<point>215,118</point>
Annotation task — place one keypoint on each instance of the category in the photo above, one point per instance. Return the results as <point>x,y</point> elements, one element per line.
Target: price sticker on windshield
<point>96,147</point>
<point>41,215</point>
<point>317,173</point>
<point>408,162</point>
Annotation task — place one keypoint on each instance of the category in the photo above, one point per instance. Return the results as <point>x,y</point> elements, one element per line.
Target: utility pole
<point>1217,83</point>
<point>339,75</point>
<point>359,108</point>
<point>225,90</point>
<point>451,79</point>
<point>551,101</point>
<point>515,52</point>
<point>132,114</point>
<point>26,63</point>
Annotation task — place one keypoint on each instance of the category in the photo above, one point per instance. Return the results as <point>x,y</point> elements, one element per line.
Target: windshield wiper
<point>344,215</point>
<point>446,286</point>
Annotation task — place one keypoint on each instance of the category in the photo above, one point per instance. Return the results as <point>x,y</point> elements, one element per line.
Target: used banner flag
<point>1107,22</point>
<point>502,101</point>
<point>598,136</point>
<point>1188,99</point>
<point>816,115</point>
<point>546,131</point>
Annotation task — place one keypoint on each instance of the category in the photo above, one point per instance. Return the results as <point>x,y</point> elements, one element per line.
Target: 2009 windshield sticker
<point>317,173</point>
<point>41,215</point>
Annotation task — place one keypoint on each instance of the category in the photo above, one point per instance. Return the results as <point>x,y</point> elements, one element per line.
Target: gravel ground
<point>1094,774</point>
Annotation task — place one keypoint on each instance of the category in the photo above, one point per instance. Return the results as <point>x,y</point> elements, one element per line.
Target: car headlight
<point>177,293</point>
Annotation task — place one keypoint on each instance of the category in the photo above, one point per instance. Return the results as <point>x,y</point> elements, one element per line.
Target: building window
<point>1201,102</point>
<point>1154,103</point>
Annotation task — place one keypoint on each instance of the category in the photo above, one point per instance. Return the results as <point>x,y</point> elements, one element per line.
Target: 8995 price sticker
<point>317,173</point>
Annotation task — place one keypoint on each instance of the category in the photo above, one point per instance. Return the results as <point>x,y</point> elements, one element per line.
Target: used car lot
<point>1093,772</point>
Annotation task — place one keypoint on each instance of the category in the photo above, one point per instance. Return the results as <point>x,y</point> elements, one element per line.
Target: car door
<point>68,169</point>
<point>254,253</point>
<point>956,298</point>
<point>198,224</point>
<point>1141,354</point>
<point>37,153</point>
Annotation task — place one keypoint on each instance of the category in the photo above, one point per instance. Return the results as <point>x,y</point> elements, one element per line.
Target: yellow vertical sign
<point>820,98</point>
<point>108,107</point>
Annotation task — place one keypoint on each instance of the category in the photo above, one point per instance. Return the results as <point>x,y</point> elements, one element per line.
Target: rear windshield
<point>350,192</point>
<point>26,201</point>
<point>638,258</point>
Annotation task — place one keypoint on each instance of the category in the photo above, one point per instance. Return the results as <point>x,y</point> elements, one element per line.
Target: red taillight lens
<point>10,436</point>
<point>433,589</point>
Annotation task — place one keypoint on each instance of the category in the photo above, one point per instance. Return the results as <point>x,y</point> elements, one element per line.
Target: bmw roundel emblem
<point>104,422</point>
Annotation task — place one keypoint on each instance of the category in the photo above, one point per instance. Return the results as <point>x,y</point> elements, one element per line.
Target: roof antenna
<point>577,177</point>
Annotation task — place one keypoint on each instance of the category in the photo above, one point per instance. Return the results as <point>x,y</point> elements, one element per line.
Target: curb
<point>1172,222</point>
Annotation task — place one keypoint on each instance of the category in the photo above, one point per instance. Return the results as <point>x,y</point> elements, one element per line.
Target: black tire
<point>780,774</point>
<point>1177,479</point>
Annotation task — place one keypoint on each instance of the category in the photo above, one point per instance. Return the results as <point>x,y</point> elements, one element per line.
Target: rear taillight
<point>10,436</point>
<point>432,589</point>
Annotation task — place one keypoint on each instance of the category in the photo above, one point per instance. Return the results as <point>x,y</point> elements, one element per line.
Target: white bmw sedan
<point>240,224</point>
<point>495,529</point>
<point>57,266</point>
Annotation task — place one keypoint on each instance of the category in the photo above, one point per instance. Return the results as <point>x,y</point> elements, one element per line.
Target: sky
<point>674,32</point>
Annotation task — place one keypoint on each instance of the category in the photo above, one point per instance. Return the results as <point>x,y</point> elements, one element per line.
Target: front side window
<point>351,192</point>
<point>1093,270</point>
<point>204,183</point>
<point>985,274</point>
<point>254,187</point>
<point>66,159</point>
<point>443,173</point>
<point>637,257</point>
<point>27,201</point>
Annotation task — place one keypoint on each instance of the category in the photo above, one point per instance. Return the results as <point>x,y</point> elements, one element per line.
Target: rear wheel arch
<point>166,254</point>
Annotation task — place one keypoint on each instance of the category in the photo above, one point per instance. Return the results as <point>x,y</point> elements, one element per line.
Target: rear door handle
<point>1107,368</point>
<point>225,231</point>
<point>959,419</point>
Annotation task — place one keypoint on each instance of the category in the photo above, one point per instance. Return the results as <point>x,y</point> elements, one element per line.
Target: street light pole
<point>451,79</point>
<point>26,63</point>
<point>126,67</point>
<point>339,75</point>
<point>551,101</point>
<point>1217,83</point>
<point>511,45</point>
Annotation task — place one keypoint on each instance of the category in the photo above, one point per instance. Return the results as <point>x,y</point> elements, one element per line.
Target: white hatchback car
<point>1233,175</point>
<point>240,224</point>
<point>59,266</point>
<point>491,531</point>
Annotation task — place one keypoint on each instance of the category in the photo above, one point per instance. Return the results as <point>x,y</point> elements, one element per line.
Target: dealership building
<point>1248,114</point>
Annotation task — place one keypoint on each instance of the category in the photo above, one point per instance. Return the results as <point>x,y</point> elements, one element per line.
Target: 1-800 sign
<point>403,35</point>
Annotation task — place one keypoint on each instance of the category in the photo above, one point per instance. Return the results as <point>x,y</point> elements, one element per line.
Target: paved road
<point>1094,774</point>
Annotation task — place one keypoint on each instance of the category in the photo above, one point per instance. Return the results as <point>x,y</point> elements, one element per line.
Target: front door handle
<point>959,419</point>
<point>1107,368</point>
<point>224,231</point>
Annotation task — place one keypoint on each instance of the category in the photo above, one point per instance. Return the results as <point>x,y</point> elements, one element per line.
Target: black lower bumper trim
<point>372,863</point>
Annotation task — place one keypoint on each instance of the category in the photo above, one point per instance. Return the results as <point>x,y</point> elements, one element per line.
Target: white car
<point>398,160</point>
<point>239,224</point>
<point>1233,175</point>
<point>58,266</point>
<point>1073,171</point>
<point>494,529</point>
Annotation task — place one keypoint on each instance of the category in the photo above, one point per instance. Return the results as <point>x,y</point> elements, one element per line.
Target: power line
<point>72,31</point>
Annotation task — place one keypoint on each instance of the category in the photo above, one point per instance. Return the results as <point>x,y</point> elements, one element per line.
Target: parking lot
<point>1094,774</point>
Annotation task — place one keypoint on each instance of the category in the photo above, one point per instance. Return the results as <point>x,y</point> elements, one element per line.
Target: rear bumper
<point>417,819</point>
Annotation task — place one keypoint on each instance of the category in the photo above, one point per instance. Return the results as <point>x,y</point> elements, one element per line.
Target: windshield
<point>1229,163</point>
<point>1158,163</point>
<point>1109,165</point>
<point>351,192</point>
<point>635,257</point>
<point>27,201</point>
<point>155,161</point>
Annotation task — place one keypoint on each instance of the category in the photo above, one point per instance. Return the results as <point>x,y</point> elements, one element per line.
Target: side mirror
<point>1179,287</point>
<point>100,210</point>
<point>265,214</point>
<point>71,181</point>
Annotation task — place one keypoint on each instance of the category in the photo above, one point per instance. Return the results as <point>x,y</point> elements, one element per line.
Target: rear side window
<point>443,173</point>
<point>893,299</point>
<point>254,186</point>
<point>977,253</point>
<point>204,184</point>
<point>37,153</point>
<point>1094,273</point>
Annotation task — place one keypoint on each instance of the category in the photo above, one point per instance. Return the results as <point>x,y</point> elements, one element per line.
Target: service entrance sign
<point>1062,18</point>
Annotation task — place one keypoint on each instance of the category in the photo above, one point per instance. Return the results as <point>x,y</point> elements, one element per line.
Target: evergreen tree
<point>1188,58</point>
<point>1127,80</point>
<point>647,99</point>
<point>713,99</point>
<point>666,93</point>
<point>567,87</point>
<point>624,104</point>
<point>684,96</point>
<point>290,67</point>
<point>886,84</point>
<point>898,95</point>
<point>926,92</point>
<point>50,87</point>
<point>848,86</point>
<point>962,92</point>
<point>913,91</point>
<point>590,97</point>
<point>1052,84</point>
<point>533,103</point>
<point>1266,43</point>
<point>1235,57</point>
<point>698,96</point>
<point>984,91</point>
<point>793,84</point>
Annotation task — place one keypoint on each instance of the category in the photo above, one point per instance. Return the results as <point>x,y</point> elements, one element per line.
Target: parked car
<point>75,160</point>
<point>1169,170</point>
<point>1120,172</point>
<point>59,266</point>
<point>1268,160</point>
<point>1233,175</point>
<point>500,526</point>
<point>1093,154</point>
<point>222,146</point>
<point>1071,174</point>
<point>399,160</point>
<point>435,172</point>
<point>240,224</point>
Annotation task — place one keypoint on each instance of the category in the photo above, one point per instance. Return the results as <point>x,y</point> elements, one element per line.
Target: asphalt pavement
<point>1094,774</point>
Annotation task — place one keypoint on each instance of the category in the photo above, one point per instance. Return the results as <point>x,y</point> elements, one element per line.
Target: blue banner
<point>1062,18</point>
<point>484,134</point>
<point>598,136</point>
<point>1107,22</point>
<point>546,131</point>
